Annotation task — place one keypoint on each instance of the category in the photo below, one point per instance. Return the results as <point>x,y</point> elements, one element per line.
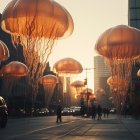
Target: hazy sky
<point>91,18</point>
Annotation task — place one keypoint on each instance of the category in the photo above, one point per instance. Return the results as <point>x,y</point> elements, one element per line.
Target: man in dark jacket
<point>58,113</point>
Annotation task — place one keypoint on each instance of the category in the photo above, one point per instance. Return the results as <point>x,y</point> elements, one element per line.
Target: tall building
<point>134,21</point>
<point>101,74</point>
<point>134,13</point>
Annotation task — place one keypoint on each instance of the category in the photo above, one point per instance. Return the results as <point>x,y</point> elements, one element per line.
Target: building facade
<point>134,13</point>
<point>134,21</point>
<point>101,74</point>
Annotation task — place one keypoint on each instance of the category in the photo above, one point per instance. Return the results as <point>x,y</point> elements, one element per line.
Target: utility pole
<point>87,92</point>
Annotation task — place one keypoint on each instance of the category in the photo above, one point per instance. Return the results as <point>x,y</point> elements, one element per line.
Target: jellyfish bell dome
<point>49,79</point>
<point>68,66</point>
<point>36,18</point>
<point>15,69</point>
<point>119,42</point>
<point>77,83</point>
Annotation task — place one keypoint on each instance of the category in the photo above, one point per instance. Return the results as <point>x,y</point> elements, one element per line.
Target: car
<point>76,110</point>
<point>66,111</point>
<point>41,112</point>
<point>3,113</point>
<point>113,110</point>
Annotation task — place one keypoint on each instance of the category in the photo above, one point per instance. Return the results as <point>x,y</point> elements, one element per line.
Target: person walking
<point>59,114</point>
<point>99,112</point>
<point>93,111</point>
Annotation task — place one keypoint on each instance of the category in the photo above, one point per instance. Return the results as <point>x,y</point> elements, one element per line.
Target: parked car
<point>113,110</point>
<point>41,112</point>
<point>67,111</point>
<point>3,113</point>
<point>76,110</point>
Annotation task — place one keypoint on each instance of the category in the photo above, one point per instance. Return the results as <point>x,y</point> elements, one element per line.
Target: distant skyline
<point>91,18</point>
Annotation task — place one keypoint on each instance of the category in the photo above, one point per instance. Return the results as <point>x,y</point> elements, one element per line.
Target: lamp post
<point>86,82</point>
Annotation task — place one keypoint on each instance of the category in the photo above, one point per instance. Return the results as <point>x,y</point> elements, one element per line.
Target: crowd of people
<point>95,111</point>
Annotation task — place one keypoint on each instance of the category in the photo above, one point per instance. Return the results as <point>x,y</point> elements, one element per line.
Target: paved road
<point>72,128</point>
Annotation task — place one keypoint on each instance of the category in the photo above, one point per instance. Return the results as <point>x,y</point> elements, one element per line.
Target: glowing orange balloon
<point>4,52</point>
<point>37,19</point>
<point>138,73</point>
<point>68,66</point>
<point>119,42</point>
<point>120,46</point>
<point>77,83</point>
<point>87,91</point>
<point>117,83</point>
<point>100,91</point>
<point>49,82</point>
<point>92,97</point>
<point>15,69</point>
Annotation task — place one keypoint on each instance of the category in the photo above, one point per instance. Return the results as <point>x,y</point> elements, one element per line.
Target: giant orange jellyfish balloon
<point>119,42</point>
<point>117,83</point>
<point>37,19</point>
<point>11,74</point>
<point>36,24</point>
<point>4,52</point>
<point>100,91</point>
<point>87,91</point>
<point>92,97</point>
<point>119,89</point>
<point>68,66</point>
<point>120,46</point>
<point>78,85</point>
<point>49,82</point>
<point>15,69</point>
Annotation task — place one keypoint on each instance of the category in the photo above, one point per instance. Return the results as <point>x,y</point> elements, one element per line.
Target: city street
<point>76,128</point>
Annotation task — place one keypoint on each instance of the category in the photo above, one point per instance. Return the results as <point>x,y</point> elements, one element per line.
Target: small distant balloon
<point>78,85</point>
<point>49,82</point>
<point>87,91</point>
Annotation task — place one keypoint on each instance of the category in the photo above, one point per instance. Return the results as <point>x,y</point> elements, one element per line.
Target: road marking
<point>30,132</point>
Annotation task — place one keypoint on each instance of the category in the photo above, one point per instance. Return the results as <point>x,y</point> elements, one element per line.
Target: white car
<point>113,110</point>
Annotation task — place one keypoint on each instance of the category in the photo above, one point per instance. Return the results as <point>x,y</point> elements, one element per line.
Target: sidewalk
<point>132,125</point>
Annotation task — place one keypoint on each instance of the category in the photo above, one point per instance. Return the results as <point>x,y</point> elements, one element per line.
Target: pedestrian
<point>93,111</point>
<point>59,114</point>
<point>104,112</point>
<point>107,112</point>
<point>99,112</point>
